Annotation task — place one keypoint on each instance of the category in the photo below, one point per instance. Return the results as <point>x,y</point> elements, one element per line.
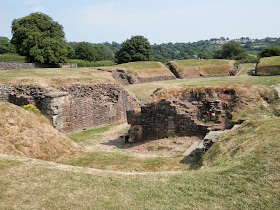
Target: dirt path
<point>111,134</point>
<point>78,169</point>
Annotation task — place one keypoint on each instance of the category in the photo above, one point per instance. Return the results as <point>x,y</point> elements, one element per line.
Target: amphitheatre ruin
<point>135,119</point>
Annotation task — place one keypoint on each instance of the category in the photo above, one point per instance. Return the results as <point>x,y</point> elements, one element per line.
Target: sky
<point>161,21</point>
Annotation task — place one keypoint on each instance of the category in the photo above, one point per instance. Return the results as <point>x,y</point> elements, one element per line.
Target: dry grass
<point>55,77</point>
<point>143,69</point>
<point>194,67</point>
<point>31,135</point>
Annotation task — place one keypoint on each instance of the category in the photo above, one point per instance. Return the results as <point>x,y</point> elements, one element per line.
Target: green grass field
<point>140,65</point>
<point>270,61</point>
<point>196,62</point>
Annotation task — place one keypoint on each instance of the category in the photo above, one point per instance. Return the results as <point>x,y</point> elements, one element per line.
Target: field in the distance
<point>269,66</point>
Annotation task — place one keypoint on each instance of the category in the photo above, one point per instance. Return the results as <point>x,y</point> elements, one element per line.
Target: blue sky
<point>160,21</point>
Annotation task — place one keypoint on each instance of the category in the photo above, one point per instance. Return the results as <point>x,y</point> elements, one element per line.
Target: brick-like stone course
<point>76,107</point>
<point>4,92</point>
<point>195,115</point>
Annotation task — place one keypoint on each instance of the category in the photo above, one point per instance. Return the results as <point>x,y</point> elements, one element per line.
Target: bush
<point>12,58</point>
<point>31,108</point>
<point>270,51</point>
<point>83,63</point>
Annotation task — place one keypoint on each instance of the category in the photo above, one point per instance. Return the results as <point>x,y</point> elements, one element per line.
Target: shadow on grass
<point>193,159</point>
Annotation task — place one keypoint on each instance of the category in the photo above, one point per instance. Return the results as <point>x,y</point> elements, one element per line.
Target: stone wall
<point>4,92</point>
<point>194,115</point>
<point>14,66</point>
<point>76,107</point>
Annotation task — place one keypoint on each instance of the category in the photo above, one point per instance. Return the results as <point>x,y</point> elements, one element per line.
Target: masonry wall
<point>4,92</point>
<point>76,107</point>
<point>194,113</point>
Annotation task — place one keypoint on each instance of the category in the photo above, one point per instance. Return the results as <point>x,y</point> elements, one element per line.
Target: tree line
<point>41,39</point>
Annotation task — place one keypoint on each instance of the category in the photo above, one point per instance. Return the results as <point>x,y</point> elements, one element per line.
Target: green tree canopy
<point>6,46</point>
<point>205,55</point>
<point>270,51</point>
<point>87,51</point>
<point>107,52</point>
<point>40,38</point>
<point>137,48</point>
<point>230,51</point>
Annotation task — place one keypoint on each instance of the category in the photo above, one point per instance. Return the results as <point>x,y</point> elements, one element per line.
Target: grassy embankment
<point>269,66</point>
<point>144,69</point>
<point>194,67</point>
<point>144,91</point>
<point>55,77</point>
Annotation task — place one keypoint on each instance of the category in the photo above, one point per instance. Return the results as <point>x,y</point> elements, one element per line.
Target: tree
<point>87,51</point>
<point>6,46</point>
<point>230,50</point>
<point>270,51</point>
<point>107,52</point>
<point>205,55</point>
<point>39,38</point>
<point>137,48</point>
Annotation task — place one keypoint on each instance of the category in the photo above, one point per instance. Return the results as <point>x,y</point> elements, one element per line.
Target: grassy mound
<point>55,77</point>
<point>269,66</point>
<point>196,68</point>
<point>27,134</point>
<point>144,69</point>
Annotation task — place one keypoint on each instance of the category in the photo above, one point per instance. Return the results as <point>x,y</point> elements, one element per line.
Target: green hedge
<point>83,63</point>
<point>12,58</point>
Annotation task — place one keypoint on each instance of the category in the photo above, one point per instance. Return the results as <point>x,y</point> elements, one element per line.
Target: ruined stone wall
<point>91,106</point>
<point>4,92</point>
<point>76,107</point>
<point>193,114</point>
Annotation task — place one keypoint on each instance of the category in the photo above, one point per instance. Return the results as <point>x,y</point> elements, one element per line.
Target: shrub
<point>32,108</point>
<point>12,58</point>
<point>83,63</point>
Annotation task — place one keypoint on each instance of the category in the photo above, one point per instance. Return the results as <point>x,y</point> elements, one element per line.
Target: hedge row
<point>12,58</point>
<point>83,63</point>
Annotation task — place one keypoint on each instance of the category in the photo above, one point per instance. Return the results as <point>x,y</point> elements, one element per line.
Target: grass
<point>247,178</point>
<point>196,62</point>
<point>246,69</point>
<point>270,61</point>
<point>55,77</point>
<point>125,161</point>
<point>91,136</point>
<point>140,65</point>
<point>144,68</point>
<point>144,91</point>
